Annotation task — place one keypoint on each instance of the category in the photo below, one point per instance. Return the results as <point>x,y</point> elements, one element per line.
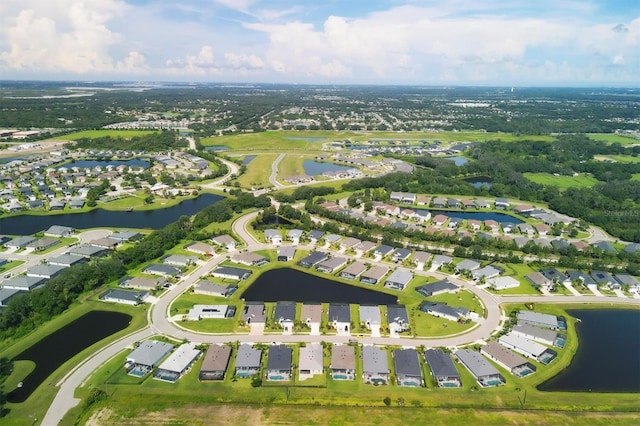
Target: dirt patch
<point>499,402</point>
<point>100,417</point>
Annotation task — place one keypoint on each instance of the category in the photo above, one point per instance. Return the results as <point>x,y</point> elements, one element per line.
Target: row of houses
<point>547,278</point>
<point>338,316</point>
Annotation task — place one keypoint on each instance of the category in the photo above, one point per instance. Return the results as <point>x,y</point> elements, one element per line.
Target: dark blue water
<point>153,219</point>
<point>248,159</point>
<point>313,168</point>
<point>458,161</point>
<point>297,286</point>
<point>482,216</point>
<point>61,345</point>
<point>479,181</point>
<point>217,148</point>
<point>136,162</point>
<point>608,357</point>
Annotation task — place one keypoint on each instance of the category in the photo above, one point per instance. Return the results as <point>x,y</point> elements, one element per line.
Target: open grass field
<point>92,134</point>
<point>258,172</point>
<point>620,158</point>
<point>635,176</point>
<point>612,138</point>
<point>562,182</point>
<point>292,165</point>
<point>304,140</point>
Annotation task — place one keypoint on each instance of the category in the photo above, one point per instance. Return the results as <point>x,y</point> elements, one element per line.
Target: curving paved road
<point>274,172</point>
<point>160,323</point>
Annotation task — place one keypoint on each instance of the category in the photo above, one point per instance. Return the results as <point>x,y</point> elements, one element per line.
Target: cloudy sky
<point>453,42</point>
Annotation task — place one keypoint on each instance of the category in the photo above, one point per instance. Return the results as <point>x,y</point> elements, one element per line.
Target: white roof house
<point>503,283</point>
<point>522,345</point>
<point>177,364</point>
<point>311,361</point>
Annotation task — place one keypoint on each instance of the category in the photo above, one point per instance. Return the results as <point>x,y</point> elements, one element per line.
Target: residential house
<point>311,314</point>
<point>279,363</point>
<point>285,315</point>
<point>67,260</point>
<point>485,373</point>
<point>349,243</point>
<point>6,294</point>
<point>364,247</point>
<point>539,320</point>
<point>397,319</point>
<point>421,258</point>
<point>452,203</point>
<point>126,297</point>
<point>23,283</point>
<point>178,363</point>
<point>526,347</point>
<point>438,287</point>
<point>467,265</point>
<point>343,362</point>
<point>508,359</point>
<point>399,279</point>
<point>254,312</point>
<point>604,246</point>
<point>146,356</point>
<point>603,278</point>
<point>247,361</point>
<point>632,283</point>
<point>44,271</point>
<point>313,259</point>
<point>407,367</point>
<point>179,260</point>
<point>42,244</point>
<point>331,265</point>
<point>340,318</point>
<point>492,225</point>
<point>375,365</point>
<point>88,251</point>
<point>540,281</point>
<point>286,253</point>
<point>162,270</point>
<point>215,362</point>
<point>439,203</point>
<point>294,235</point>
<point>374,275</point>
<point>59,231</point>
<point>440,259</point>
<point>502,203</point>
<point>225,241</point>
<point>442,368</point>
<point>315,235</point>
<point>200,248</point>
<point>353,271</point>
<point>213,289</point>
<point>503,283</point>
<point>486,272</point>
<point>400,255</point>
<point>311,361</point>
<point>272,236</point>
<point>537,334</point>
<point>249,259</point>
<point>443,310</point>
<point>105,243</point>
<point>440,219</point>
<point>231,273</point>
<point>481,204</point>
<point>125,236</point>
<point>383,251</point>
<point>370,317</point>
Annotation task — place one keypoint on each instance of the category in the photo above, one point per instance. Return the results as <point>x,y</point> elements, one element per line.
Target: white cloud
<point>61,35</point>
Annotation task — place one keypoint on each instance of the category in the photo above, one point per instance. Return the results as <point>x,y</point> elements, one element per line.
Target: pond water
<point>154,219</point>
<point>246,160</point>
<point>286,284</point>
<point>54,350</point>
<point>482,216</point>
<point>479,181</point>
<point>217,148</point>
<point>276,220</point>
<point>83,164</point>
<point>313,168</point>
<point>608,356</point>
<point>458,161</point>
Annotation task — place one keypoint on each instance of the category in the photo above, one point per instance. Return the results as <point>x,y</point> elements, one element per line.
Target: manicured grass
<point>562,182</point>
<point>425,325</point>
<point>611,138</point>
<point>635,176</point>
<point>10,265</point>
<point>137,201</point>
<point>292,165</point>
<point>93,134</point>
<point>286,140</point>
<point>258,172</point>
<point>518,271</point>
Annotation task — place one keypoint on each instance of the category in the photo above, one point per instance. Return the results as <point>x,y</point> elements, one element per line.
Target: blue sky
<point>455,42</point>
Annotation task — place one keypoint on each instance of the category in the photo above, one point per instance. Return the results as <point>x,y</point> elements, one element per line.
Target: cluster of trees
<point>304,193</point>
<point>223,210</point>
<point>153,142</point>
<point>97,191</point>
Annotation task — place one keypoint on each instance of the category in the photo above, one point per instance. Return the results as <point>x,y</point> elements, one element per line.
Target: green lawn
<point>611,138</point>
<point>635,176</point>
<point>258,172</point>
<point>562,182</point>
<point>298,140</point>
<point>93,134</point>
<point>292,165</point>
<point>10,265</point>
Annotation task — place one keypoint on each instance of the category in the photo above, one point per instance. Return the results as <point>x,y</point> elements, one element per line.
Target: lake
<point>247,159</point>
<point>481,216</point>
<point>313,168</point>
<point>217,148</point>
<point>479,181</point>
<point>458,161</point>
<point>608,357</point>
<point>84,164</point>
<point>54,350</point>
<point>286,284</point>
<point>98,218</point>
